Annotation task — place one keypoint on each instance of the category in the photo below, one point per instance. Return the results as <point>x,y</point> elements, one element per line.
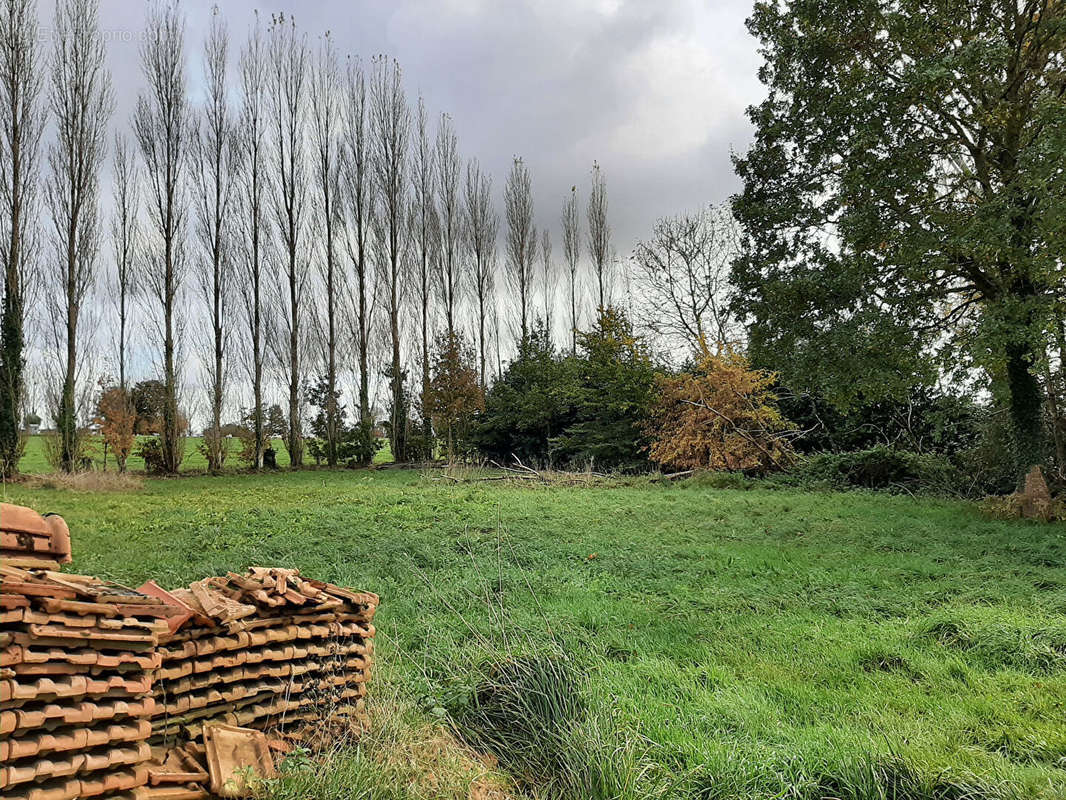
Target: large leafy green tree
<point>904,199</point>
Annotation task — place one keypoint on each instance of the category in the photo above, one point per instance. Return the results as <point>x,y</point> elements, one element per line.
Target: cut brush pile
<point>113,691</point>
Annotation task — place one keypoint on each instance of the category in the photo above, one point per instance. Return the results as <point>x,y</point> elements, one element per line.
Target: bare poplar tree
<point>391,125</point>
<point>572,252</point>
<point>163,128</point>
<point>252,155</point>
<point>449,206</point>
<point>326,127</point>
<point>21,124</point>
<point>213,173</point>
<point>360,199</point>
<point>482,225</point>
<point>424,214</point>
<point>125,239</point>
<point>684,272</point>
<point>599,235</point>
<point>82,101</point>
<point>521,240</point>
<point>288,94</point>
<point>548,278</point>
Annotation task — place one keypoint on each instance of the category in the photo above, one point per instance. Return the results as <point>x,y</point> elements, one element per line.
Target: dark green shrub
<point>151,450</point>
<point>355,444</point>
<point>611,388</point>
<point>879,468</point>
<point>926,421</point>
<point>989,466</point>
<point>527,405</point>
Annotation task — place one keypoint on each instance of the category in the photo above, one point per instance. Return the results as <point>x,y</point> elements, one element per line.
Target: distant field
<point>746,644</point>
<point>34,461</point>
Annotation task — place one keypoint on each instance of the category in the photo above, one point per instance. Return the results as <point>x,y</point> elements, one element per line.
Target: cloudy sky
<point>655,90</point>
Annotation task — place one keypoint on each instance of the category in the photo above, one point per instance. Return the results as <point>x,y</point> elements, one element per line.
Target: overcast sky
<point>655,90</point>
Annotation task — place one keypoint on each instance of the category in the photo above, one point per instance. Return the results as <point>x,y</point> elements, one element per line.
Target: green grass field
<point>740,644</point>
<point>34,461</point>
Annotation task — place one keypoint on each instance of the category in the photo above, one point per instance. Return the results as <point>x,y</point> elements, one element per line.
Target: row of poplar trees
<point>317,205</point>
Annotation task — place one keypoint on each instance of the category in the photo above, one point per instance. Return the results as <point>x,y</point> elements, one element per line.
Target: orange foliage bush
<point>116,418</point>
<point>721,416</point>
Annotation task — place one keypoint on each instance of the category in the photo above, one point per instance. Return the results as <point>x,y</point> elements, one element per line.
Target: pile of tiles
<point>268,649</point>
<point>29,540</point>
<point>75,684</point>
<point>106,691</point>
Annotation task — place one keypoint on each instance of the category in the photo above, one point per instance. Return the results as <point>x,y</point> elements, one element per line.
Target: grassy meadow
<point>35,460</point>
<point>730,644</point>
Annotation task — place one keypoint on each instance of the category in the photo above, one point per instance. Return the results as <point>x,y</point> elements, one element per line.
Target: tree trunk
<point>12,338</point>
<point>427,422</point>
<point>296,457</point>
<point>171,445</point>
<point>1025,408</point>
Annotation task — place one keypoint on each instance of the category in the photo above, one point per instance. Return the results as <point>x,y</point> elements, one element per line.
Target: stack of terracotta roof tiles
<point>268,649</point>
<point>106,690</point>
<point>75,684</point>
<point>29,540</point>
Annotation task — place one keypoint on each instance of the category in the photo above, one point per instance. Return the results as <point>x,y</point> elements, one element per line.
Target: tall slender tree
<point>547,278</point>
<point>482,226</point>
<point>326,126</point>
<point>21,124</point>
<point>288,93</point>
<point>391,124</point>
<point>162,122</point>
<point>82,102</point>
<point>359,183</point>
<point>252,155</point>
<point>521,240</point>
<point>125,239</point>
<point>213,174</point>
<point>572,251</point>
<point>449,207</point>
<point>423,179</point>
<point>600,235</point>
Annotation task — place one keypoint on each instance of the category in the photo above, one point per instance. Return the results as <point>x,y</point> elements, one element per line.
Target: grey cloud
<point>653,90</point>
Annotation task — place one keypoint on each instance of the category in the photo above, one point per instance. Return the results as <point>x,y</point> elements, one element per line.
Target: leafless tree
<point>683,272</point>
<point>252,155</point>
<point>548,279</point>
<point>391,124</point>
<point>326,126</point>
<point>358,181</point>
<point>449,205</point>
<point>125,239</point>
<point>521,240</point>
<point>482,225</point>
<point>81,101</point>
<point>21,124</point>
<point>424,221</point>
<point>288,93</point>
<point>599,235</point>
<point>213,176</point>
<point>572,251</point>
<point>164,131</point>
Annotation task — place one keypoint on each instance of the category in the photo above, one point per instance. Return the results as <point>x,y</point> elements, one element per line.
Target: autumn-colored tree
<point>116,418</point>
<point>720,416</point>
<point>454,395</point>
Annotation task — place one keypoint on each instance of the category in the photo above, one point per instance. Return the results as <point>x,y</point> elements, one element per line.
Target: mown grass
<point>726,643</point>
<point>35,461</point>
